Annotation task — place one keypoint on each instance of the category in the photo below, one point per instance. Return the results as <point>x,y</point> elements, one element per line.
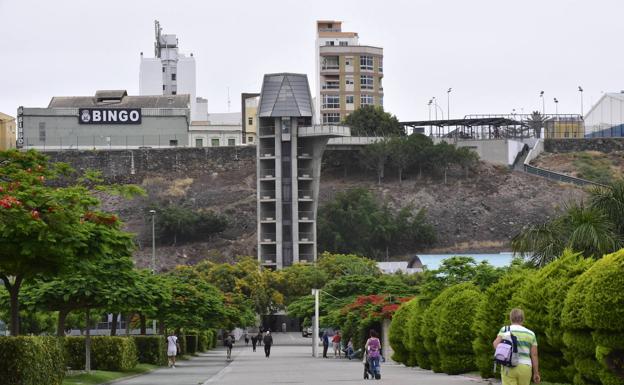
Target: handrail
<point>559,176</point>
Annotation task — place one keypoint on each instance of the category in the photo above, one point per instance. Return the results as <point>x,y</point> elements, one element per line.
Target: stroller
<point>368,369</point>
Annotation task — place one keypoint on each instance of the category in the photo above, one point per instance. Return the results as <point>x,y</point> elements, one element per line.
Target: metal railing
<point>267,217</point>
<point>556,176</point>
<point>324,129</point>
<point>267,173</point>
<point>267,237</point>
<point>306,215</point>
<point>331,86</point>
<point>267,194</point>
<point>306,237</point>
<point>304,172</point>
<point>305,194</point>
<point>267,153</point>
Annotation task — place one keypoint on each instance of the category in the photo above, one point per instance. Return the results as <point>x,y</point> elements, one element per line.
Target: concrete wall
<point>132,166</point>
<point>576,145</point>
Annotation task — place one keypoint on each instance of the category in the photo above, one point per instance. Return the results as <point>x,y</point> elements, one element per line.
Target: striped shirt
<point>526,339</point>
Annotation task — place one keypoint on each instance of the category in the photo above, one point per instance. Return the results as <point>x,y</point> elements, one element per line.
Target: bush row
<point>35,360</point>
<point>574,305</point>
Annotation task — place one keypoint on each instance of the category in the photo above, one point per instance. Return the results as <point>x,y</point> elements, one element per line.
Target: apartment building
<point>7,132</point>
<point>348,75</point>
<point>249,112</point>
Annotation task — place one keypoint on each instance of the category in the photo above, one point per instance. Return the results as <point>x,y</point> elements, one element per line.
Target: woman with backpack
<point>373,353</point>
<point>516,351</point>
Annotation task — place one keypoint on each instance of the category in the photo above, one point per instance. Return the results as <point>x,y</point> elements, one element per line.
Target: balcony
<point>306,257</point>
<point>267,238</point>
<point>324,130</point>
<point>331,86</point>
<point>268,259</point>
<point>304,173</point>
<point>267,152</point>
<point>306,237</point>
<point>267,195</point>
<point>267,173</point>
<point>266,131</point>
<point>267,217</point>
<point>305,194</point>
<point>306,216</point>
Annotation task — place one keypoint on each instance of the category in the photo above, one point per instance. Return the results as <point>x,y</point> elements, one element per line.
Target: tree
<point>180,224</point>
<point>536,122</point>
<point>338,265</point>
<point>401,154</point>
<point>44,229</point>
<point>375,156</point>
<point>299,279</point>
<point>373,121</point>
<point>610,201</point>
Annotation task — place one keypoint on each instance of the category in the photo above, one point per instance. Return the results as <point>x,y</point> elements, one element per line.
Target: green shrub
<point>415,343</point>
<point>203,341</point>
<point>213,340</point>
<point>191,344</point>
<point>182,343</point>
<point>453,329</point>
<point>428,328</point>
<point>31,361</point>
<point>542,299</point>
<point>107,353</point>
<point>398,333</point>
<point>490,315</point>
<point>151,349</point>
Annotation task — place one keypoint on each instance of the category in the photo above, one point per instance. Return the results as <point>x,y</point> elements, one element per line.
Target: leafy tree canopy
<point>373,121</point>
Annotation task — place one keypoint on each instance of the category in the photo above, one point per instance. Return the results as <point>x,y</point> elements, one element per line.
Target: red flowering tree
<point>46,229</point>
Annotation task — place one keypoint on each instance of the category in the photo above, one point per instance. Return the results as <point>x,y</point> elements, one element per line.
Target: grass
<point>102,376</point>
<point>594,167</point>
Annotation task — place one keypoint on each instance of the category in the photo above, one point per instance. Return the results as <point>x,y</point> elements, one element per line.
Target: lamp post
<point>556,107</point>
<point>429,105</point>
<point>581,92</point>
<point>315,327</point>
<point>448,103</point>
<point>435,104</point>
<point>153,263</point>
<point>543,103</point>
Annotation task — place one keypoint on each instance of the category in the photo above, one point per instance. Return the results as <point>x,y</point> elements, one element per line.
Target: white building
<point>171,72</point>
<point>222,129</point>
<point>606,117</point>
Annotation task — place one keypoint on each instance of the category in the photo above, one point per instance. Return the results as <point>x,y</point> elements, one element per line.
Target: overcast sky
<point>495,54</point>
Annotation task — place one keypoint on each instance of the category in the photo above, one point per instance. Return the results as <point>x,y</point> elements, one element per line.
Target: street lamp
<point>315,325</point>
<point>153,267</point>
<point>543,103</point>
<point>556,107</point>
<point>581,92</point>
<point>448,103</point>
<point>435,104</point>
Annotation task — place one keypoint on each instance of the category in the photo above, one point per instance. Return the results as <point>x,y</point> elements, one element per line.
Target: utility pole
<point>315,327</point>
<point>581,92</point>
<point>448,103</point>
<point>153,264</point>
<point>543,104</point>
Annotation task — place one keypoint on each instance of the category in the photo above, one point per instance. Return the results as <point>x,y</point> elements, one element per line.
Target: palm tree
<point>536,122</point>
<point>583,229</point>
<point>610,200</point>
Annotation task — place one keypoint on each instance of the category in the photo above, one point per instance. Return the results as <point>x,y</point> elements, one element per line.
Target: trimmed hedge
<point>191,344</point>
<point>203,341</point>
<point>453,329</point>
<point>489,318</point>
<point>151,349</point>
<point>415,339</point>
<point>398,333</point>
<point>213,340</point>
<point>430,319</point>
<point>107,353</point>
<point>31,361</point>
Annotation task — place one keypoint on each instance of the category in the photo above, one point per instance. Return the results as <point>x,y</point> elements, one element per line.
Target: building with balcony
<point>289,151</point>
<point>348,75</point>
<point>249,112</point>
<point>7,132</point>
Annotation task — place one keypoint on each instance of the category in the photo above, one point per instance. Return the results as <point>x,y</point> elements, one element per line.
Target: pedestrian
<point>325,343</point>
<point>528,364</point>
<point>259,338</point>
<point>336,344</point>
<point>349,352</point>
<point>373,351</point>
<point>229,343</point>
<point>254,341</point>
<point>173,347</point>
<point>246,339</point>
<point>268,341</point>
<point>283,327</point>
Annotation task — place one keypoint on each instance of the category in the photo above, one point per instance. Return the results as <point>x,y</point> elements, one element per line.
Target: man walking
<point>325,343</point>
<point>254,341</point>
<point>268,341</point>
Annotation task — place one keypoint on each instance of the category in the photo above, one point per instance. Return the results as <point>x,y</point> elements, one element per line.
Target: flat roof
<point>120,99</point>
<point>493,121</point>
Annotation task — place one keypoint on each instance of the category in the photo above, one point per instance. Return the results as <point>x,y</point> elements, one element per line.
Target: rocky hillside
<point>479,213</point>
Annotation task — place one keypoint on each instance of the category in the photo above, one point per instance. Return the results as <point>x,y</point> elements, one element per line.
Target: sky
<point>496,55</point>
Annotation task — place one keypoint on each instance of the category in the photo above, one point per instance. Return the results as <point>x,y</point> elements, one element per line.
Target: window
<point>330,25</point>
<point>349,60</point>
<point>329,42</point>
<point>42,132</point>
<point>380,65</point>
<point>250,139</point>
<point>366,63</point>
<point>163,87</point>
<point>381,100</point>
<point>173,142</point>
<point>330,63</point>
<point>163,69</point>
<point>343,43</point>
<point>231,142</point>
<point>366,100</point>
<point>285,125</point>
<point>249,121</point>
<point>349,99</point>
<point>331,101</point>
<point>349,80</point>
<point>173,76</point>
<point>199,142</point>
<point>173,92</point>
<point>331,118</point>
<point>214,142</point>
<point>366,82</point>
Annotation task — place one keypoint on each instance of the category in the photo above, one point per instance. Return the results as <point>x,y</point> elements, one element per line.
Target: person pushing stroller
<point>372,355</point>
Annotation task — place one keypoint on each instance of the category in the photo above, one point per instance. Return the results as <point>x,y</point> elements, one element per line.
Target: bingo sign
<point>109,116</point>
<point>19,142</point>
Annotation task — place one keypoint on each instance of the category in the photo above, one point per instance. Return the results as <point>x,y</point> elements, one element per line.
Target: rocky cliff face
<point>480,212</point>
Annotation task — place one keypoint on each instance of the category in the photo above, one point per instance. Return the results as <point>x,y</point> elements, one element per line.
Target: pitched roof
<point>285,94</point>
<point>120,98</point>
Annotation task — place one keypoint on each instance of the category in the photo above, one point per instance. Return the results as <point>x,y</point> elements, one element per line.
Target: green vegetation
<point>355,222</point>
<point>102,376</point>
<point>594,230</point>
<point>593,168</point>
<point>373,121</point>
<point>31,361</point>
<point>178,224</point>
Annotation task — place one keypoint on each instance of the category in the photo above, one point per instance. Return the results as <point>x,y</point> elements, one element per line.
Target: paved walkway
<point>288,364</point>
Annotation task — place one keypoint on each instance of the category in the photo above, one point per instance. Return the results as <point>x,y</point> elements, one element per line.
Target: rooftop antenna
<point>228,98</point>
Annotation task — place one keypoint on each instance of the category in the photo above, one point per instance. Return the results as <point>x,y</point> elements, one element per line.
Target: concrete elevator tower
<point>289,152</point>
